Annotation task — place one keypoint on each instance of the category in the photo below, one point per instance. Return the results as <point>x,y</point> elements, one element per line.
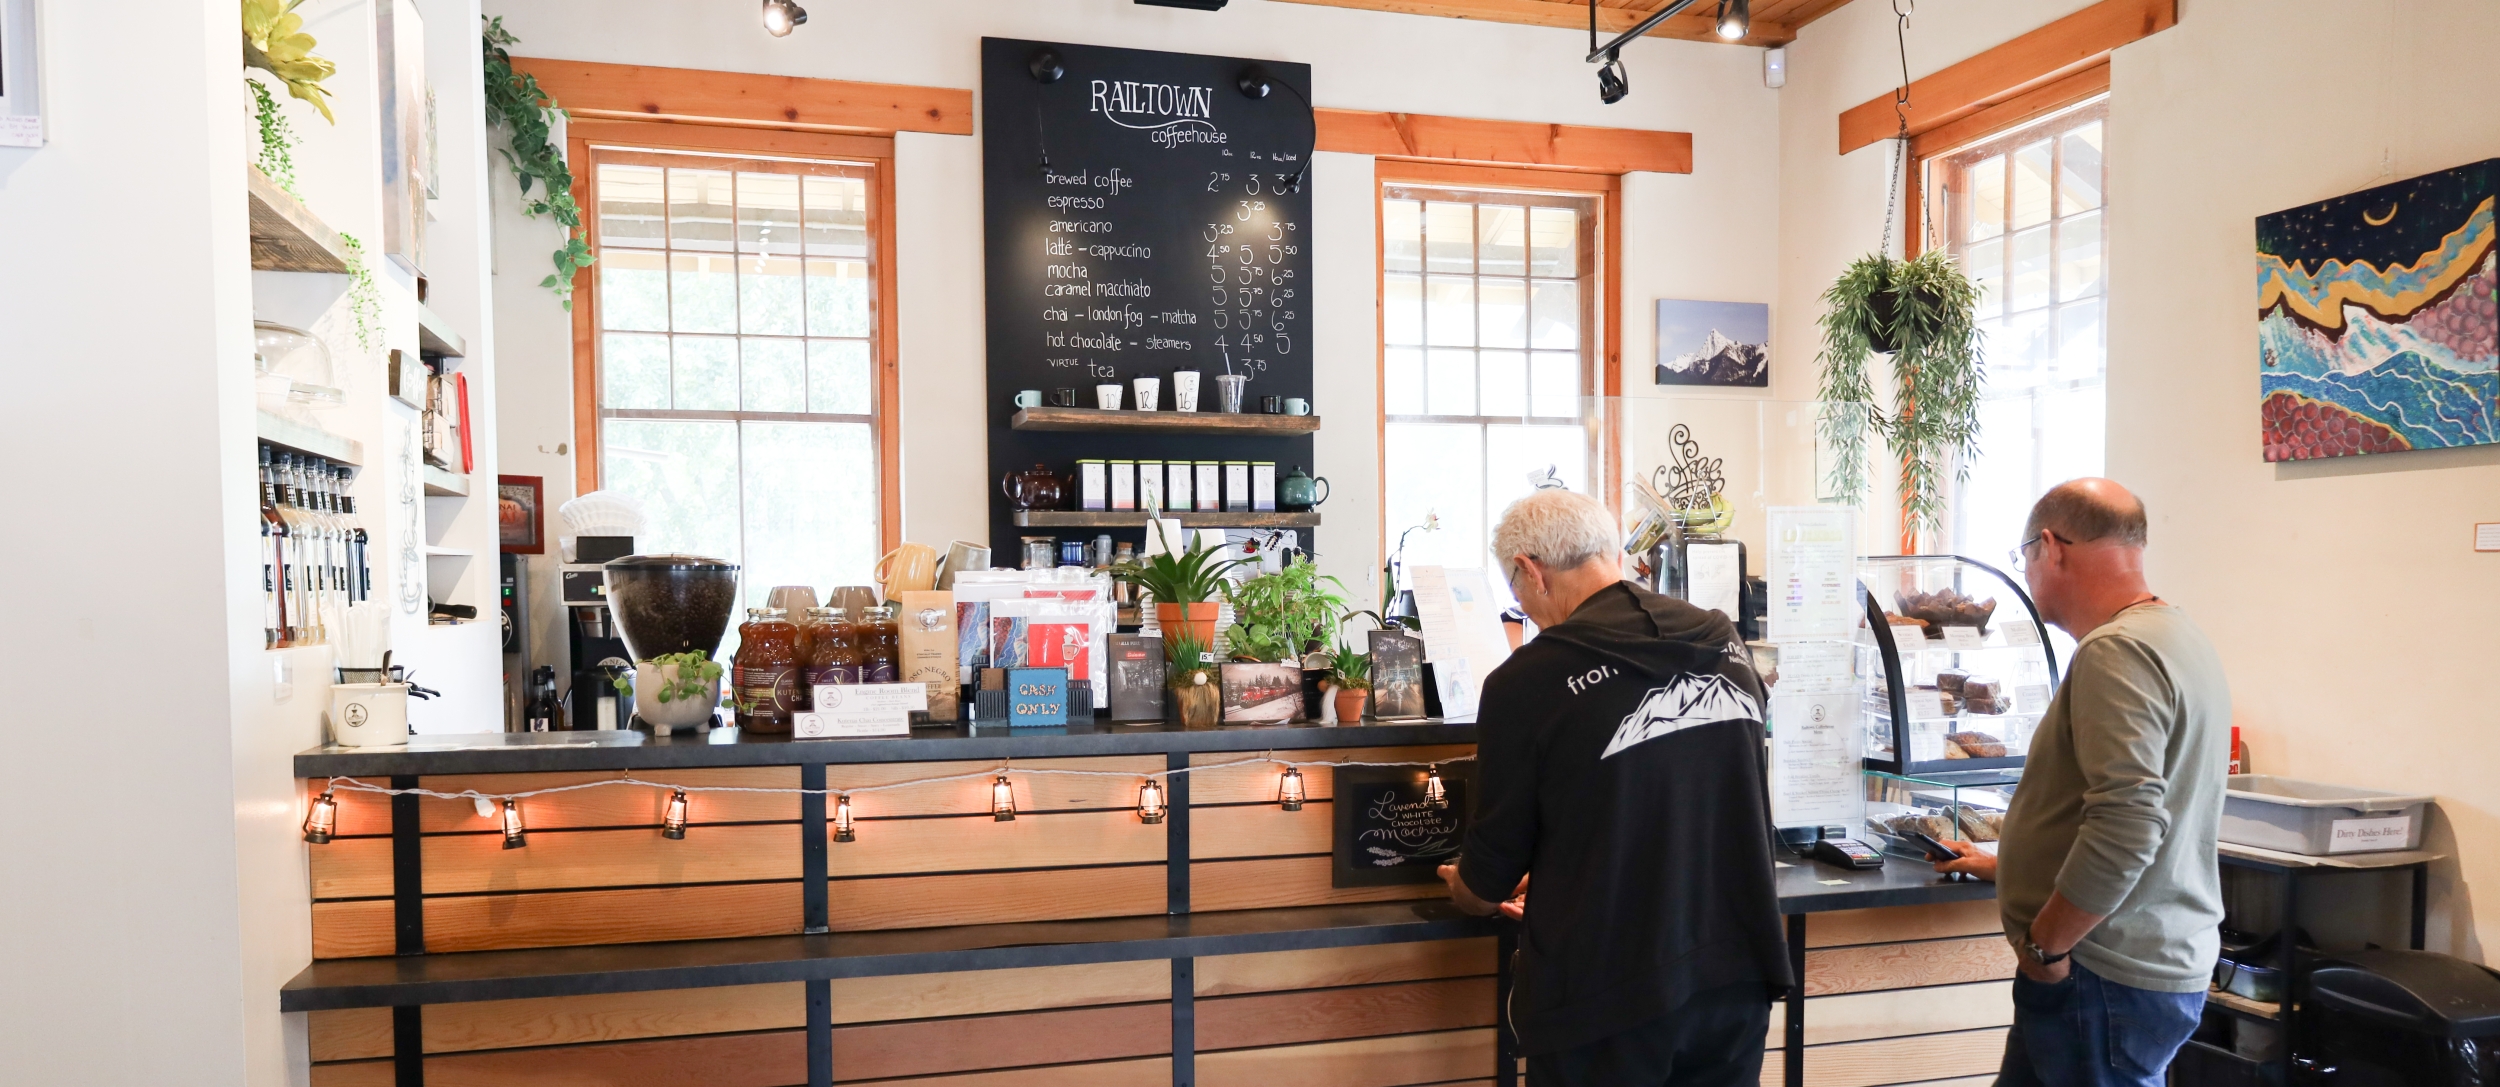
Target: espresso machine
<point>597,652</point>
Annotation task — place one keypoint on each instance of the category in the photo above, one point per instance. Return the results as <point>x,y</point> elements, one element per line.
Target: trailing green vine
<point>1918,310</point>
<point>515,101</point>
<point>363,296</point>
<point>277,139</point>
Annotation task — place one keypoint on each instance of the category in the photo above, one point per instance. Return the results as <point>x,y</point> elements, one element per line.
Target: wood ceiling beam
<point>1693,25</point>
<point>2052,53</point>
<point>1583,148</point>
<point>644,93</point>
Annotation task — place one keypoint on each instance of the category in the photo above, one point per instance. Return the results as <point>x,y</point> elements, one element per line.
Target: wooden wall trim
<point>1695,24</point>
<point>2052,53</point>
<point>2022,109</point>
<point>589,89</point>
<point>1423,136</point>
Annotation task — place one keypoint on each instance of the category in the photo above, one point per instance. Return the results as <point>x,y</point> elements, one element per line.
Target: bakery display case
<point>1954,665</point>
<point>1961,805</point>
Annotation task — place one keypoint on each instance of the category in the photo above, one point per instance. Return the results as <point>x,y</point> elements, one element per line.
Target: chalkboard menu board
<point>1141,218</point>
<point>1388,833</point>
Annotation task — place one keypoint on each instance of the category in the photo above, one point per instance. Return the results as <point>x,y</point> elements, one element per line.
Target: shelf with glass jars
<point>1954,665</point>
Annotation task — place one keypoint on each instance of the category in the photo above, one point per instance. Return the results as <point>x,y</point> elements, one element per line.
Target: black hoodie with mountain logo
<point>1620,761</point>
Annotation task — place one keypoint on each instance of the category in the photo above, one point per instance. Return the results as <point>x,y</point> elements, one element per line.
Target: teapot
<point>1034,489</point>
<point>1299,491</point>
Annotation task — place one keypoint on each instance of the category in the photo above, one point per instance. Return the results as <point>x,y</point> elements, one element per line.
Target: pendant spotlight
<point>1735,19</point>
<point>783,16</point>
<point>1612,81</point>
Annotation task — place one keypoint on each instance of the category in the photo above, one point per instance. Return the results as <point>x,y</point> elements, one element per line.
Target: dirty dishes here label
<point>2369,834</point>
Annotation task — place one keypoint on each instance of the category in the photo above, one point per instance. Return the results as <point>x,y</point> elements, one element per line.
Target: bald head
<point>2089,510</point>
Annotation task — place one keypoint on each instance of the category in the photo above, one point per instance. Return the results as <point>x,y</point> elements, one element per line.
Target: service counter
<point>1076,944</point>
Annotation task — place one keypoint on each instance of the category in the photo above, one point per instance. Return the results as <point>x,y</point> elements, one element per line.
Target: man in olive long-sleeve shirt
<point>2106,870</point>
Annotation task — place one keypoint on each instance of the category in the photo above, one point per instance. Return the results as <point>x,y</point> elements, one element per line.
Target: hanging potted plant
<point>1184,587</point>
<point>1196,697</point>
<point>1919,312</point>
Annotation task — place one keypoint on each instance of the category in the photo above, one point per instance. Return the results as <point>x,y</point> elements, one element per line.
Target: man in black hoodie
<point>1620,762</point>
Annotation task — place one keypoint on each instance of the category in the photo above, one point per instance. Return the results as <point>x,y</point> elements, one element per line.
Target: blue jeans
<point>2089,1031</point>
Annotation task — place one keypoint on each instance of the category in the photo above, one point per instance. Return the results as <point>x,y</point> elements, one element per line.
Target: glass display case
<point>1954,666</point>
<point>1966,805</point>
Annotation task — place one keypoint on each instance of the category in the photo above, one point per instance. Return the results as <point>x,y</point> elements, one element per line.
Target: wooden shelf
<point>306,438</point>
<point>443,484</point>
<point>1165,422</point>
<point>2243,1006</point>
<point>286,235</point>
<point>436,339</point>
<point>1137,519</point>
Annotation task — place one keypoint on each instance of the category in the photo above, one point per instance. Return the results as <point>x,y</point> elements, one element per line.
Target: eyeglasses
<point>2020,556</point>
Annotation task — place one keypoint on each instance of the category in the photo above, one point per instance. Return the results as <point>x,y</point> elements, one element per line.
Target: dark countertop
<point>1809,886</point>
<point>544,752</point>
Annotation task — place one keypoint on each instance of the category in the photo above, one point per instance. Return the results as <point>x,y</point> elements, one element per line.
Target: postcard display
<point>1141,218</point>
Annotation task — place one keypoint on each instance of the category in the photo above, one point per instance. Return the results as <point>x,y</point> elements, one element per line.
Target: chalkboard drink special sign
<point>1142,217</point>
<point>1388,832</point>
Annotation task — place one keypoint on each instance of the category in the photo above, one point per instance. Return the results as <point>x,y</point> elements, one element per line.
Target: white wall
<point>1709,234</point>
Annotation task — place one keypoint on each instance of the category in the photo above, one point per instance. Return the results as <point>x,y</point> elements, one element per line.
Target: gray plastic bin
<point>2294,816</point>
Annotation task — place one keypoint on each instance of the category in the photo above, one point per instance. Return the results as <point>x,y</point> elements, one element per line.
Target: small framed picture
<point>519,517</point>
<point>1259,692</point>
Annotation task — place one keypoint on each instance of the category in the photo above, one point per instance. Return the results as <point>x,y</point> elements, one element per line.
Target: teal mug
<point>1295,405</point>
<point>1029,398</point>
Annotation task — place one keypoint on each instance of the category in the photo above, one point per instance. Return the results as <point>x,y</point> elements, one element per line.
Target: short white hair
<point>1561,529</point>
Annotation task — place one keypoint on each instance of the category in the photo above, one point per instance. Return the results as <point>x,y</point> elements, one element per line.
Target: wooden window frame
<point>875,151</point>
<point>1606,469</point>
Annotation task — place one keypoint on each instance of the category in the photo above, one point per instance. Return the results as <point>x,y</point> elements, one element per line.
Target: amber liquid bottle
<point>768,672</point>
<point>835,659</point>
<point>880,648</point>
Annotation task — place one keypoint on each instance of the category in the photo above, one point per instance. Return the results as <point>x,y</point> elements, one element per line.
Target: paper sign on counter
<point>1963,638</point>
<point>2021,632</point>
<point>846,710</point>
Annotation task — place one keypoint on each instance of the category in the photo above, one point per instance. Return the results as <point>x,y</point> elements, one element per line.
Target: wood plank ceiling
<point>1775,22</point>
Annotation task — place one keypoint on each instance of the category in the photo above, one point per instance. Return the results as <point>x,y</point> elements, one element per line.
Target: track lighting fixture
<point>1612,81</point>
<point>1435,793</point>
<point>1289,789</point>
<point>321,819</point>
<point>512,828</point>
<point>783,16</point>
<point>673,823</point>
<point>1735,19</point>
<point>842,819</point>
<point>1254,82</point>
<point>1150,802</point>
<point>1002,800</point>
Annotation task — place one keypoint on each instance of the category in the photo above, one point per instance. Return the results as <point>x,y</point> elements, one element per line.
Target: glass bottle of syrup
<point>767,671</point>
<point>880,647</point>
<point>835,659</point>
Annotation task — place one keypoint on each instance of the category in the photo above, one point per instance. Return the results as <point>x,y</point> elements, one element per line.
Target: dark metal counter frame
<point>412,978</point>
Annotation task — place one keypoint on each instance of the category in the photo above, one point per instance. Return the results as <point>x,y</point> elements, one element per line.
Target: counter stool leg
<point>1793,1039</point>
<point>1505,1043</point>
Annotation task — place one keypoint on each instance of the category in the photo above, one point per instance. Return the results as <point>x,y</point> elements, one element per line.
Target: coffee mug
<point>961,555</point>
<point>1149,391</point>
<point>1029,398</point>
<point>910,568</point>
<point>1107,397</point>
<point>1063,398</point>
<point>1295,405</point>
<point>856,599</point>
<point>1185,390</point>
<point>1272,405</point>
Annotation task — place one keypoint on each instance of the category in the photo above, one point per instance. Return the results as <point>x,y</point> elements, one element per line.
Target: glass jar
<point>835,659</point>
<point>880,647</point>
<point>767,671</point>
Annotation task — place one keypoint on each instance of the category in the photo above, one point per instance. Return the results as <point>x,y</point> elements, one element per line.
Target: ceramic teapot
<point>1300,491</point>
<point>1034,489</point>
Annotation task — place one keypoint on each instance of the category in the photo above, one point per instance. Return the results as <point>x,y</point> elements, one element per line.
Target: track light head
<point>1612,81</point>
<point>783,16</point>
<point>1735,19</point>
<point>1046,66</point>
<point>1254,82</point>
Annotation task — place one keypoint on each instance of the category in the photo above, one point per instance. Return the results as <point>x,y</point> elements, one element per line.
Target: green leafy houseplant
<point>364,297</point>
<point>1918,311</point>
<point>516,102</point>
<point>1193,576</point>
<point>695,672</point>
<point>1275,615</point>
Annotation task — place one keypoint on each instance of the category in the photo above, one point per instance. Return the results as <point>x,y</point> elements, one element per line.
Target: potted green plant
<point>676,690</point>
<point>1276,615</point>
<point>1196,695</point>
<point>1184,586</point>
<point>1350,676</point>
<point>1918,311</point>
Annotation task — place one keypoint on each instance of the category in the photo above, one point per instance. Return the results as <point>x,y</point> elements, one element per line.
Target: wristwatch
<point>2032,948</point>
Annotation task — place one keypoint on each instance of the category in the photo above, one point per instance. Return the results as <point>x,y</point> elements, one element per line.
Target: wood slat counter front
<point>1074,945</point>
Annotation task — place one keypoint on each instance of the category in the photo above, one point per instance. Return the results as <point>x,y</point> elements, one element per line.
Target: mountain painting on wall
<point>1727,344</point>
<point>2377,327</point>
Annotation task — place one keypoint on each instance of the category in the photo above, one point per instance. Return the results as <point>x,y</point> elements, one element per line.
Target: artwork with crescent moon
<point>2377,327</point>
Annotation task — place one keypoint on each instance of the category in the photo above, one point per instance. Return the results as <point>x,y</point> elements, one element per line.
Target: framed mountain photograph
<point>1724,344</point>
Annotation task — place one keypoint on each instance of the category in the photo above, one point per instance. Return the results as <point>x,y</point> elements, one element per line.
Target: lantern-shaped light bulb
<point>1435,793</point>
<point>1150,802</point>
<point>512,828</point>
<point>842,819</point>
<point>1289,789</point>
<point>673,824</point>
<point>321,819</point>
<point>1002,800</point>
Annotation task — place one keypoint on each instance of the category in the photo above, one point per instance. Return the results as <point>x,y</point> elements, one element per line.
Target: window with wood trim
<point>1490,312</point>
<point>2024,212</point>
<point>738,366</point>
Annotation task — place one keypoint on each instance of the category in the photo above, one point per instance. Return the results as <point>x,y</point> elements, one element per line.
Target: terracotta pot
<point>1199,620</point>
<point>1199,704</point>
<point>1349,705</point>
